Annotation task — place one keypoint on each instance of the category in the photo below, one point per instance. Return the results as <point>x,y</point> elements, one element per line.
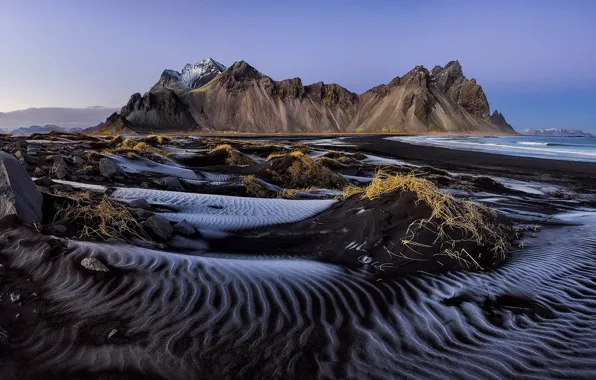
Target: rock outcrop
<point>18,194</point>
<point>208,97</point>
<point>157,110</point>
<point>497,118</point>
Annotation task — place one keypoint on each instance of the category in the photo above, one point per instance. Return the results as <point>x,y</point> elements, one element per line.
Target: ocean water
<point>557,148</point>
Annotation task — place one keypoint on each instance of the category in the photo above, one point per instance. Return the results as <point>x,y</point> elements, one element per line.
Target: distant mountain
<point>43,129</point>
<point>209,97</point>
<point>556,132</point>
<point>64,117</point>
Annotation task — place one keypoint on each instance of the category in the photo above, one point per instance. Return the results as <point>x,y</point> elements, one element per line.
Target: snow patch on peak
<point>192,75</point>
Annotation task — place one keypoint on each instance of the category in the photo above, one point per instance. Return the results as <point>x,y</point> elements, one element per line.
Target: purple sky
<point>536,60</point>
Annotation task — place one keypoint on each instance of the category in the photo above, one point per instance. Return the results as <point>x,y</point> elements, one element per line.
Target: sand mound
<point>397,224</point>
<point>298,171</point>
<point>222,154</point>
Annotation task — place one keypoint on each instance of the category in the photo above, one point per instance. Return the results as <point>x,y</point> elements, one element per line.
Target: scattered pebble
<point>93,264</point>
<point>112,333</point>
<point>365,259</point>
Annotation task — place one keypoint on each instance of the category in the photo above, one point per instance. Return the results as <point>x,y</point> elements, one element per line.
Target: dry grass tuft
<point>293,193</point>
<point>79,195</point>
<point>337,163</point>
<point>233,156</point>
<point>450,216</point>
<point>105,219</point>
<point>131,148</point>
<point>255,189</point>
<point>305,172</point>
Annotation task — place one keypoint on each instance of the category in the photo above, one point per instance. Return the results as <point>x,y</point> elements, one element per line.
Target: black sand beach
<point>294,276</point>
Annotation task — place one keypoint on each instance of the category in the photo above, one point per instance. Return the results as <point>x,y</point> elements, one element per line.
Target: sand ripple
<point>182,317</point>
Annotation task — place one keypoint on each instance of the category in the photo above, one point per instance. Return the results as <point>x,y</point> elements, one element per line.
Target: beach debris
<point>93,264</point>
<point>159,226</point>
<point>18,194</point>
<point>15,297</point>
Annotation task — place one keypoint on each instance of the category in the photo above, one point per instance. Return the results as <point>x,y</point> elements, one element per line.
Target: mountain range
<point>43,129</point>
<point>209,97</point>
<point>556,132</point>
<point>64,117</point>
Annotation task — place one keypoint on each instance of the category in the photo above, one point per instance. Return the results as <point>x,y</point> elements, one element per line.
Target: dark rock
<point>170,183</point>
<point>159,226</point>
<point>60,170</point>
<point>93,264</point>
<point>142,213</point>
<point>140,203</point>
<point>58,229</point>
<point>79,161</point>
<point>44,181</point>
<point>25,157</point>
<point>56,158</point>
<point>18,194</point>
<point>38,172</point>
<point>185,228</point>
<point>33,150</point>
<point>78,152</point>
<point>108,168</point>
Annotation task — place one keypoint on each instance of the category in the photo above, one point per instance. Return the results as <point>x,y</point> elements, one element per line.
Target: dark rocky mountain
<point>208,97</point>
<point>116,124</point>
<point>497,118</point>
<point>556,132</point>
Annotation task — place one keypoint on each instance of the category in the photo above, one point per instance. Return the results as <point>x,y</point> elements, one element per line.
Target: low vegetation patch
<point>105,219</point>
<point>233,156</point>
<point>454,221</point>
<point>131,149</point>
<point>297,170</point>
<point>255,189</point>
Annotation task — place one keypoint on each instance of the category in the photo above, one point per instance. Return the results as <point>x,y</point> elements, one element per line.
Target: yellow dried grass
<point>475,223</point>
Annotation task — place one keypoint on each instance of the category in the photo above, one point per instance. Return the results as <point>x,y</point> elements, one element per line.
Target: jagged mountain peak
<point>192,75</point>
<point>241,98</point>
<point>207,62</point>
<point>446,77</point>
<point>241,70</point>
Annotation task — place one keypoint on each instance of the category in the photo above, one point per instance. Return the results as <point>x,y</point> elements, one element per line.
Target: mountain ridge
<point>241,98</point>
<point>556,132</point>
